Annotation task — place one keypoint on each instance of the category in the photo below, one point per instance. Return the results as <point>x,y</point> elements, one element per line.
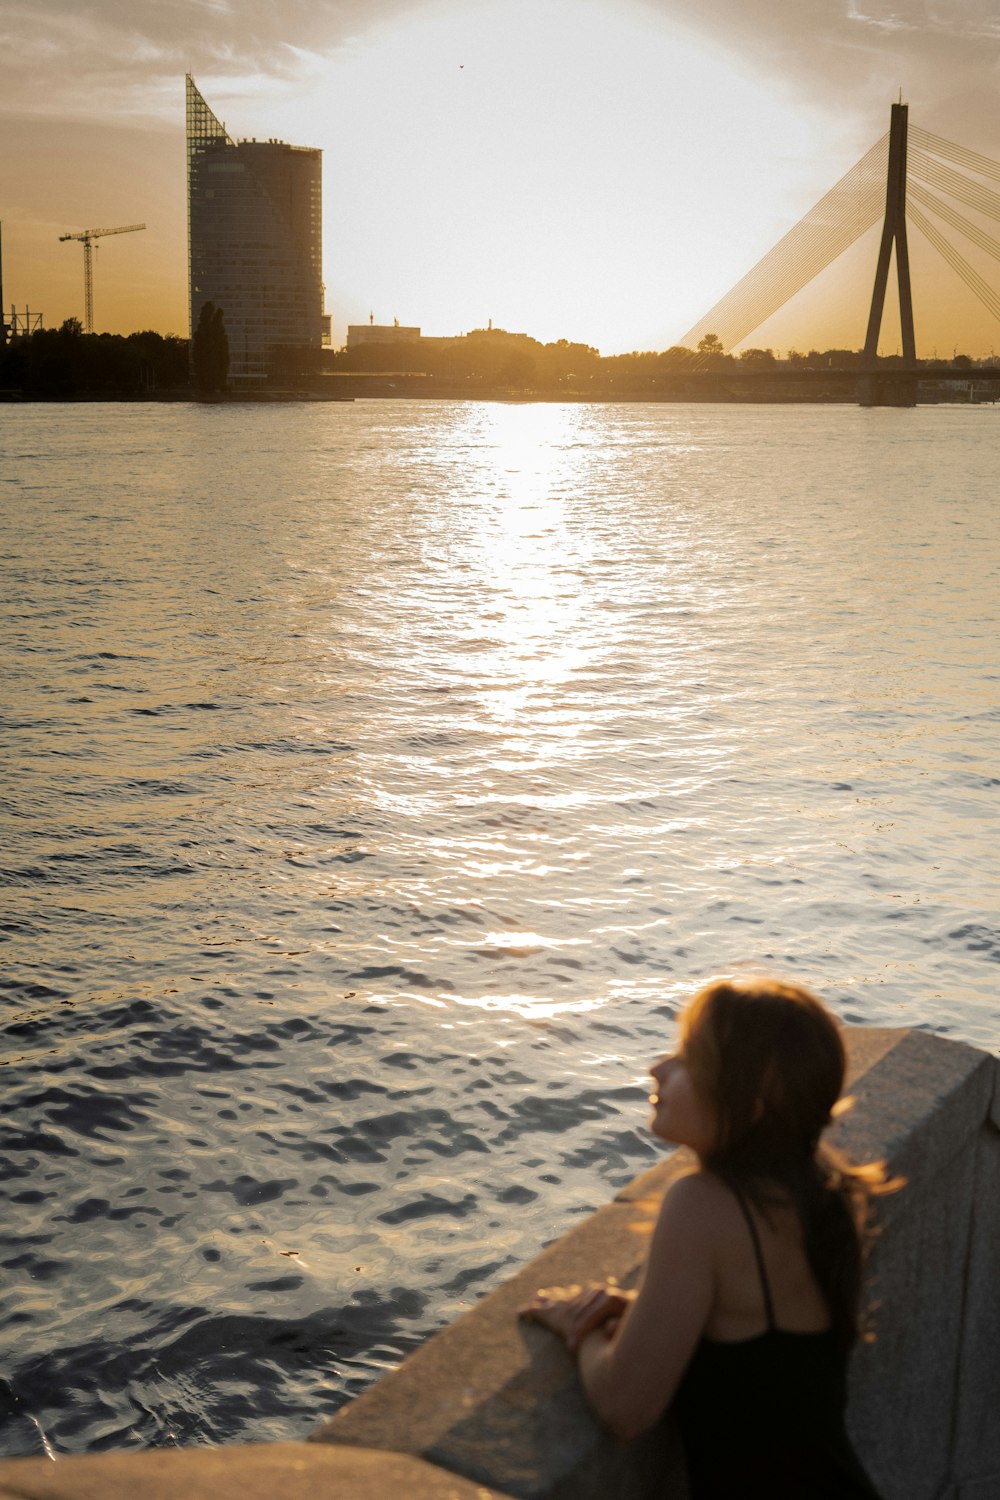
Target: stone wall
<point>926,1394</point>
<point>250,1471</point>
<point>499,1402</point>
<point>490,1408</point>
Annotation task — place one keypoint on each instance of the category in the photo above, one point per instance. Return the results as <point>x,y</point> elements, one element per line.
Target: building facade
<point>254,243</point>
<point>380,333</point>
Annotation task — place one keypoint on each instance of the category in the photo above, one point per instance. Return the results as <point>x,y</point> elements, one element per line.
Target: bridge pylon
<point>893,232</point>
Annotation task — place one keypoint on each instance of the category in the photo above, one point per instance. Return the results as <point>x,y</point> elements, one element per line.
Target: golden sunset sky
<point>598,170</point>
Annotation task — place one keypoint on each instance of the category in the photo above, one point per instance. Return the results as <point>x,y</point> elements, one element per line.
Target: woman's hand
<point>575,1311</point>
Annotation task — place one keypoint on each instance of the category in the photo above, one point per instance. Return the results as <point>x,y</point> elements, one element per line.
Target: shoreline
<point>534,398</point>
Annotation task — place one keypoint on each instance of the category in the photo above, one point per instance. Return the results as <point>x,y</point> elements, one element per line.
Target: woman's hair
<point>771,1059</point>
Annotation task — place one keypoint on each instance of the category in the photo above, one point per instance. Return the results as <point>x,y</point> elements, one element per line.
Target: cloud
<point>123,59</point>
<point>854,55</point>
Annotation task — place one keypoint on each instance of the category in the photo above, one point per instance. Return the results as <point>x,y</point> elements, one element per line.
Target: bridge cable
<point>740,313</point>
<point>814,229</point>
<point>955,219</point>
<point>850,208</point>
<point>974,161</point>
<point>980,288</point>
<point>788,265</point>
<point>974,194</point>
<point>752,302</point>
<point>756,298</point>
<point>785,271</point>
<point>822,230</point>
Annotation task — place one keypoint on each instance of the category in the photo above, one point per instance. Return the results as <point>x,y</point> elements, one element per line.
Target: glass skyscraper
<point>254,242</point>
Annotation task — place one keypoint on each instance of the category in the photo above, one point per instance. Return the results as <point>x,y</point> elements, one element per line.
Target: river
<point>379,779</point>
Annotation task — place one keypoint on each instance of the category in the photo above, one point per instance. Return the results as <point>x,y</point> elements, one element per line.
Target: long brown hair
<point>771,1058</point>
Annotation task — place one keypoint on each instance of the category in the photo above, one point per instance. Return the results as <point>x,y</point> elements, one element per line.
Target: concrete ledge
<point>925,1394</point>
<point>500,1403</point>
<point>497,1400</point>
<point>258,1471</point>
<point>917,1104</point>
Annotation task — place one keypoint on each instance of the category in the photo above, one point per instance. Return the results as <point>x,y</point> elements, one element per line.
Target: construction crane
<point>87,237</point>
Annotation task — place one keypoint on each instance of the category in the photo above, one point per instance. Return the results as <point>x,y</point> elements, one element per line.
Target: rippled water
<point>379,779</point>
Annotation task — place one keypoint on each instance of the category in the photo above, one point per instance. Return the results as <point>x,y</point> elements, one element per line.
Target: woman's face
<point>681,1112</point>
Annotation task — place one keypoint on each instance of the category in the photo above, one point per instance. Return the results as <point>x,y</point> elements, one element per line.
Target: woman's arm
<point>631,1378</point>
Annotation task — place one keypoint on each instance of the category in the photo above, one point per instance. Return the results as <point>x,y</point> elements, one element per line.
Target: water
<point>379,780</point>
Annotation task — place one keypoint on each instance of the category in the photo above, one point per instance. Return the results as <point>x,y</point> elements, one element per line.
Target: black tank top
<point>763,1419</point>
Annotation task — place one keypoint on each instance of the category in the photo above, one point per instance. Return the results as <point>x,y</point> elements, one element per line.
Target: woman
<point>750,1300</point>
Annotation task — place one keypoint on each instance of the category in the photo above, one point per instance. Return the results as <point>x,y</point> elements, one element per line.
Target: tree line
<point>60,363</point>
<point>491,358</point>
<point>63,363</point>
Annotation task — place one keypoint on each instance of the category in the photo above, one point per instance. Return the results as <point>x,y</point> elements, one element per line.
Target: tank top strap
<point>765,1285</point>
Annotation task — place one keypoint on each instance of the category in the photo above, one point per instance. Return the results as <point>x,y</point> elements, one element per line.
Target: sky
<point>597,170</point>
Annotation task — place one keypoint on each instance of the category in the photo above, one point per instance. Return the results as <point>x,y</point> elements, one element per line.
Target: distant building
<point>380,333</point>
<point>254,241</point>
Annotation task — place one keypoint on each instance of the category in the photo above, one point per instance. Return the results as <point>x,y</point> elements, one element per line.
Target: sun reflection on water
<point>525,474</point>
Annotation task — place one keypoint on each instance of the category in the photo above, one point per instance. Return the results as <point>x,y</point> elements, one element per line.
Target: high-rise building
<point>254,241</point>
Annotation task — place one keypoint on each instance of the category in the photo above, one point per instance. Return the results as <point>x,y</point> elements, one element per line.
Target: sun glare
<point>536,162</point>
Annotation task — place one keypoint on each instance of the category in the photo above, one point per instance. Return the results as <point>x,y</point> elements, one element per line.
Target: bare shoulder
<point>700,1202</point>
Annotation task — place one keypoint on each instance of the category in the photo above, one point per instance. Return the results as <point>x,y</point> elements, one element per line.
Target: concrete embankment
<point>490,1408</point>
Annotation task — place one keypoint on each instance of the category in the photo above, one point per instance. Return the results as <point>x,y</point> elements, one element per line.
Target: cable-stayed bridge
<point>910,176</point>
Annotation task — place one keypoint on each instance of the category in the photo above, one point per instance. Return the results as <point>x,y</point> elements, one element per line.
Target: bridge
<point>892,382</point>
<point>909,174</point>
